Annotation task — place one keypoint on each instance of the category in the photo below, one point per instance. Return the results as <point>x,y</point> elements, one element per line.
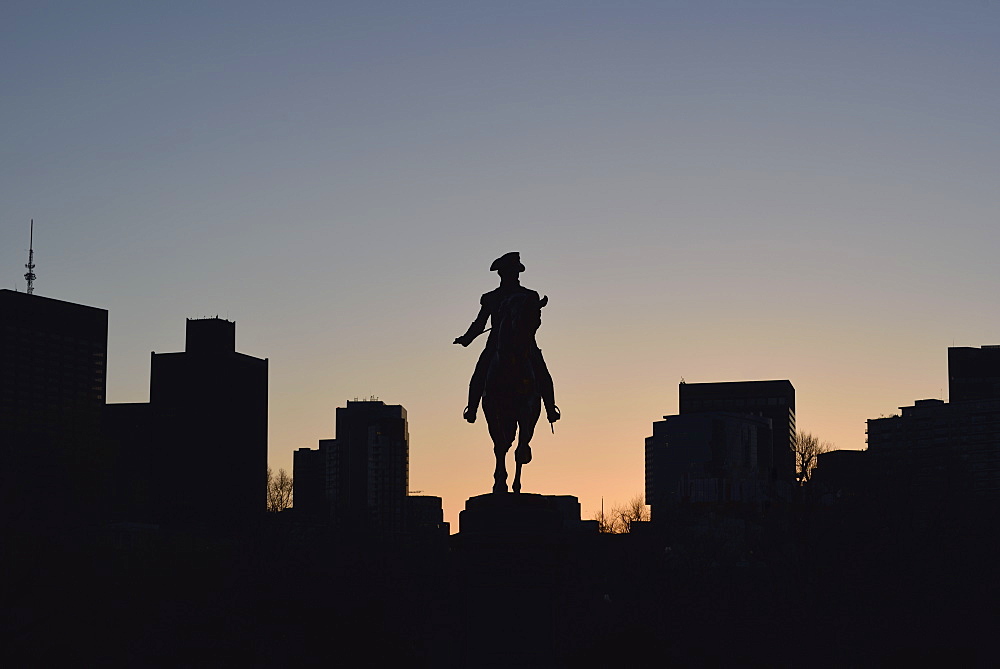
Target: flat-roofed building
<point>208,408</point>
<point>973,373</point>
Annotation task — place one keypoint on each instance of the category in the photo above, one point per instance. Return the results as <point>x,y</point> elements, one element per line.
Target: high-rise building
<point>364,473</point>
<point>368,467</point>
<point>209,413</point>
<point>53,362</point>
<point>771,399</point>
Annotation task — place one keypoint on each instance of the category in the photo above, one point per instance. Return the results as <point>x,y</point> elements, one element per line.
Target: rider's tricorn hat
<point>508,261</point>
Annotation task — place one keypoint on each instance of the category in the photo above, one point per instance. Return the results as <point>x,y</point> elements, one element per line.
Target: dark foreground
<point>841,587</point>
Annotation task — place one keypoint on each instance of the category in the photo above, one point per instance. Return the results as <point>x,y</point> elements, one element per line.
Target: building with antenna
<point>29,276</point>
<point>53,366</point>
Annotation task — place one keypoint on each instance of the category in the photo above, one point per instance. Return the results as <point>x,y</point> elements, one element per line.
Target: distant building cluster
<point>195,453</point>
<point>732,446</point>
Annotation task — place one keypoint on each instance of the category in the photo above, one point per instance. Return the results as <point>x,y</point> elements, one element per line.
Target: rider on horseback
<point>508,266</point>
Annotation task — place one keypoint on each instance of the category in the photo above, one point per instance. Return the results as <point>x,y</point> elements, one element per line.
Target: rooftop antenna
<point>29,276</point>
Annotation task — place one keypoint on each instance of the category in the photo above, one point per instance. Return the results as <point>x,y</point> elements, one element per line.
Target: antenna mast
<point>29,276</point>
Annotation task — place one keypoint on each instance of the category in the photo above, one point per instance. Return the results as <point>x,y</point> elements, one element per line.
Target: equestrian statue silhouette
<point>511,377</point>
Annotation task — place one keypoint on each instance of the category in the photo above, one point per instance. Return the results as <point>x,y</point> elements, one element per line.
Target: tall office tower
<point>973,373</point>
<point>208,413</point>
<point>368,470</point>
<point>53,361</point>
<point>770,399</point>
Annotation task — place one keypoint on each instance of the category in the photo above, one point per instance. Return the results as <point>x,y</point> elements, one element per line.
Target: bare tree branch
<point>621,516</point>
<point>279,491</point>
<point>807,451</point>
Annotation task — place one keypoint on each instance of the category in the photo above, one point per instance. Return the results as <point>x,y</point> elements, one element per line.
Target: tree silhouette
<point>807,450</point>
<point>621,516</point>
<point>279,490</point>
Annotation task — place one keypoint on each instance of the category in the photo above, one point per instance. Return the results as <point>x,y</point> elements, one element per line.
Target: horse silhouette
<point>511,398</point>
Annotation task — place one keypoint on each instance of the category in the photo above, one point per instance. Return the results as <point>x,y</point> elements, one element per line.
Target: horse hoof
<point>517,490</point>
<point>499,488</point>
<point>522,455</point>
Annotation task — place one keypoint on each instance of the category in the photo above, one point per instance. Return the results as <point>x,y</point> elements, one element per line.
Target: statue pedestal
<point>517,557</point>
<point>525,515</point>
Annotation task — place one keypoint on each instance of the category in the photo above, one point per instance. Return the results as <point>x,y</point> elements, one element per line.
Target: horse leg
<point>525,430</point>
<point>502,441</point>
<point>500,473</point>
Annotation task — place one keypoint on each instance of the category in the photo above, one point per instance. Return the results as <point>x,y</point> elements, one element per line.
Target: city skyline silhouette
<point>170,564</point>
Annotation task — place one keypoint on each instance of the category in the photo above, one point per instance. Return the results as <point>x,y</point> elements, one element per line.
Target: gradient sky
<point>717,191</point>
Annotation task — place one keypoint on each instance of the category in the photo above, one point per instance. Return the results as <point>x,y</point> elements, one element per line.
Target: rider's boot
<point>476,386</point>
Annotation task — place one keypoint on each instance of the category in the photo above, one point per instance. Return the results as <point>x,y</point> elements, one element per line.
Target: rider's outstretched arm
<point>477,328</point>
